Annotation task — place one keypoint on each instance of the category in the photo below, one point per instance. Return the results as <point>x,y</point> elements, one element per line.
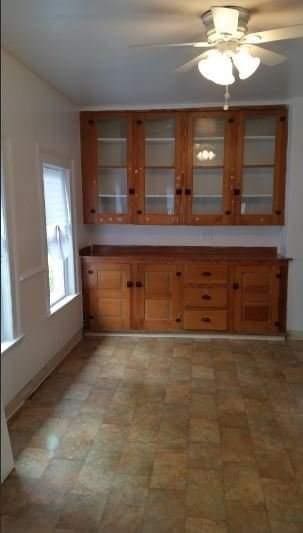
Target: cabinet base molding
<point>194,336</point>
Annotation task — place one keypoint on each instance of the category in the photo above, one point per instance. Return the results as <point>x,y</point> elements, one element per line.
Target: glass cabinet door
<point>262,167</point>
<point>208,167</point>
<point>112,135</point>
<point>159,170</point>
<point>258,165</point>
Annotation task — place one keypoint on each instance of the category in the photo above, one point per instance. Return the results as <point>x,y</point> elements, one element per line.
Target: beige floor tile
<point>242,483</point>
<point>204,431</point>
<point>32,462</point>
<point>202,525</point>
<point>205,495</point>
<point>164,512</point>
<point>237,445</point>
<point>169,470</point>
<point>244,518</point>
<point>82,512</point>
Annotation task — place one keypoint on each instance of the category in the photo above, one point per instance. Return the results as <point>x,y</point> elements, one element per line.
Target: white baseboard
<point>295,335</point>
<point>16,403</point>
<point>197,336</point>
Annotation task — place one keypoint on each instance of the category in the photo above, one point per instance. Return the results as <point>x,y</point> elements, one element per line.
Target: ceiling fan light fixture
<point>245,63</point>
<point>217,67</point>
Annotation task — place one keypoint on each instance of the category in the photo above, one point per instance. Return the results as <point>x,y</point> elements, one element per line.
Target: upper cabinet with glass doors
<point>185,167</point>
<point>107,167</point>
<point>159,173</point>
<point>261,154</point>
<point>211,163</point>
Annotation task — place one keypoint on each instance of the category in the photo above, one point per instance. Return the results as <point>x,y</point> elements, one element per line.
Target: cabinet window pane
<point>59,233</point>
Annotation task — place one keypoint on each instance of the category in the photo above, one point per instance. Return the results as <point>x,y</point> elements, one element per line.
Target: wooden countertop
<point>230,253</point>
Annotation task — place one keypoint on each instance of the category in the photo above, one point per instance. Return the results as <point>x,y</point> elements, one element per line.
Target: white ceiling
<point>82,48</point>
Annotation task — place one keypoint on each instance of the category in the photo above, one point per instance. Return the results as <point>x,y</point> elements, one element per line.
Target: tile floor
<point>162,436</point>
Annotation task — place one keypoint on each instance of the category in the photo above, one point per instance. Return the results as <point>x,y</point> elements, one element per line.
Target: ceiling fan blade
<point>267,56</point>
<point>225,20</point>
<point>190,64</point>
<point>171,45</point>
<point>280,34</point>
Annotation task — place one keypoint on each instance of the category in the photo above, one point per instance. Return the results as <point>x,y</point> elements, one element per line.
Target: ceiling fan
<point>230,47</point>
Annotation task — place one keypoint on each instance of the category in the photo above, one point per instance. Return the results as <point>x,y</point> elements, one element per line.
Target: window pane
<point>58,233</point>
<point>6,296</point>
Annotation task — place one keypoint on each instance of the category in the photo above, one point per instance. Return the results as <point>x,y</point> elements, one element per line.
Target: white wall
<point>35,119</point>
<point>293,234</point>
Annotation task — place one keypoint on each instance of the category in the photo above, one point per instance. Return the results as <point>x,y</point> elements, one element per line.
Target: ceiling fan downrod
<point>226,98</point>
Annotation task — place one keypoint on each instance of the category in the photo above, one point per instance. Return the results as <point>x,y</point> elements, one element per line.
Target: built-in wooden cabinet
<point>193,167</point>
<point>184,289</point>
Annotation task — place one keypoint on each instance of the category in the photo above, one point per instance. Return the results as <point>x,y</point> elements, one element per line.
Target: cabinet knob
<point>92,210</point>
<point>206,297</point>
<point>91,122</point>
<point>178,192</point>
<point>139,122</point>
<point>205,319</point>
<point>187,192</point>
<point>227,212</point>
<point>139,284</point>
<point>178,319</point>
<point>129,284</point>
<point>91,317</point>
<point>278,212</point>
<point>206,274</point>
<point>236,286</point>
<point>139,212</point>
<point>131,190</point>
<point>90,271</point>
<point>277,324</point>
<point>237,191</point>
<point>178,273</point>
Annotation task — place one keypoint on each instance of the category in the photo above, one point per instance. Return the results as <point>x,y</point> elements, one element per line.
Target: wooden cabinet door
<point>211,145</point>
<point>256,299</point>
<point>260,186</point>
<point>159,167</point>
<point>158,297</point>
<point>107,172</point>
<point>107,296</point>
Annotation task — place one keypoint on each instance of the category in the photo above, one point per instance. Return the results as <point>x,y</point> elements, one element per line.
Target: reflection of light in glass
<point>206,155</point>
<point>52,442</point>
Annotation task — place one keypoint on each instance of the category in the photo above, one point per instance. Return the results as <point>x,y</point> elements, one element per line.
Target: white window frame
<point>9,224</point>
<point>51,161</point>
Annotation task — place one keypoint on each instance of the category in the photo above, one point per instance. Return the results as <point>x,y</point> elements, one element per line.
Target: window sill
<point>63,303</point>
<point>8,345</point>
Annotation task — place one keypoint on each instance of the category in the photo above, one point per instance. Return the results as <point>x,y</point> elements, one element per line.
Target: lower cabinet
<point>107,296</point>
<point>209,296</point>
<point>158,300</point>
<point>256,306</point>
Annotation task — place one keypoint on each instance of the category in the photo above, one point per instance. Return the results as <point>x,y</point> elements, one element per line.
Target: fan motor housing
<point>213,36</point>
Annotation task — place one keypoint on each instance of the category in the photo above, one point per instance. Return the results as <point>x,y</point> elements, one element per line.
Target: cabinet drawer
<point>205,273</point>
<point>205,320</point>
<point>206,297</point>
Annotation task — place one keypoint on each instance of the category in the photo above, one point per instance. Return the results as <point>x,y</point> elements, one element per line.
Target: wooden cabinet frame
<point>139,122</point>
<point>90,168</point>
<point>233,165</point>
<point>241,294</point>
<point>277,215</point>
<point>230,132</point>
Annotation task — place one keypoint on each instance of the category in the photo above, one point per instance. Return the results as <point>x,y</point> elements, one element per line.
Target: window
<point>7,330</point>
<point>59,234</point>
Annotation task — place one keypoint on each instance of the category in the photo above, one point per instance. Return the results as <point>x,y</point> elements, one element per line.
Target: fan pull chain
<point>226,98</point>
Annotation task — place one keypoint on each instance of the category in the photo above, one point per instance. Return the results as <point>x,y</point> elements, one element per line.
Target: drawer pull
<point>139,284</point>
<point>206,297</point>
<point>90,271</point>
<point>205,319</point>
<point>236,286</point>
<point>129,284</point>
<point>207,274</point>
<point>178,319</point>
